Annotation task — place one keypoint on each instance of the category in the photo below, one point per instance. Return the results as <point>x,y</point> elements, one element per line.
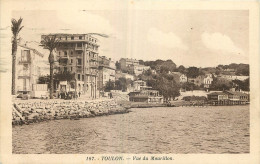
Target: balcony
<point>93,58</point>
<point>92,50</point>
<point>79,69</point>
<point>92,65</point>
<point>23,74</point>
<point>93,72</point>
<point>79,48</point>
<point>24,61</point>
<point>63,56</point>
<point>79,55</point>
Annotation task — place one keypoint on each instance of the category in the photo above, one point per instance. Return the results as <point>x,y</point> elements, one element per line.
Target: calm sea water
<point>144,130</point>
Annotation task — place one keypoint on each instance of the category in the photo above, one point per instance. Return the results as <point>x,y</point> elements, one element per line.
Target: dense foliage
<point>239,69</point>
<point>244,85</point>
<point>164,83</point>
<point>161,65</point>
<point>120,84</point>
<point>57,77</point>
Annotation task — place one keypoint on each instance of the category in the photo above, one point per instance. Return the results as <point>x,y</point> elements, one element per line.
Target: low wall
<point>29,112</point>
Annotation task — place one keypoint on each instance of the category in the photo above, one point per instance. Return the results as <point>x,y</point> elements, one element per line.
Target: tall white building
<point>78,53</point>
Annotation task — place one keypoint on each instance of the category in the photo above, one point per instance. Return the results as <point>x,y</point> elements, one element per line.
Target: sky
<point>201,38</point>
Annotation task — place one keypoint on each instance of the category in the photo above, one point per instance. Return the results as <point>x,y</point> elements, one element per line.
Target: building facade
<point>27,70</point>
<point>146,95</point>
<point>183,78</point>
<point>139,69</point>
<point>106,72</point>
<point>125,63</point>
<point>228,98</point>
<point>208,81</point>
<point>78,53</point>
<point>138,84</point>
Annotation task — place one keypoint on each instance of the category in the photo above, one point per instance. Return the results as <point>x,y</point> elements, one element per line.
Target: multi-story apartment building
<point>125,63</point>
<point>78,53</point>
<point>106,71</point>
<point>27,70</point>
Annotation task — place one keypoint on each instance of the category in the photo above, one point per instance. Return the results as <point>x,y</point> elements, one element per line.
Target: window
<point>82,78</point>
<point>71,52</point>
<point>65,69</point>
<point>79,52</point>
<point>25,55</point>
<point>80,37</point>
<point>71,69</point>
<point>72,38</point>
<point>71,61</point>
<point>79,61</point>
<point>25,67</point>
<point>79,45</point>
<point>78,76</point>
<point>59,52</point>
<point>65,53</point>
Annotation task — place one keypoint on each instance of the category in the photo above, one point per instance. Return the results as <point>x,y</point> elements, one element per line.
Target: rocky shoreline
<point>32,112</point>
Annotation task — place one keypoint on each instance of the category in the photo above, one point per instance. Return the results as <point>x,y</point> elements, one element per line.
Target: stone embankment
<point>29,112</point>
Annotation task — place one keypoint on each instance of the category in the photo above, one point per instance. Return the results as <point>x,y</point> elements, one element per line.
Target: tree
<point>181,69</point>
<point>141,62</point>
<point>193,72</point>
<point>16,28</point>
<point>43,79</point>
<point>242,69</point>
<point>244,85</point>
<point>110,85</point>
<point>118,65</point>
<point>64,76</point>
<point>50,42</point>
<point>122,84</point>
<point>221,85</point>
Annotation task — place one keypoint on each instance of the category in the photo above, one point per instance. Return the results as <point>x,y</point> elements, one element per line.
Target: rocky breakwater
<point>30,112</point>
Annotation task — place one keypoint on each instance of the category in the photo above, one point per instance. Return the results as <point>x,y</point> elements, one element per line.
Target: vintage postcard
<point>136,81</point>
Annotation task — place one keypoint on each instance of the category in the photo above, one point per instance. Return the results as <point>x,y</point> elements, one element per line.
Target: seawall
<point>25,112</point>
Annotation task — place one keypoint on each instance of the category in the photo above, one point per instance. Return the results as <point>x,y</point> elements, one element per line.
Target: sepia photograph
<point>128,81</point>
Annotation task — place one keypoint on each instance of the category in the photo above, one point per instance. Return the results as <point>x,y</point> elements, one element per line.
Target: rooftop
<point>34,50</point>
<point>236,93</point>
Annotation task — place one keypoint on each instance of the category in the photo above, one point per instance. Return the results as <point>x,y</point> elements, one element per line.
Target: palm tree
<point>16,28</point>
<point>50,42</point>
